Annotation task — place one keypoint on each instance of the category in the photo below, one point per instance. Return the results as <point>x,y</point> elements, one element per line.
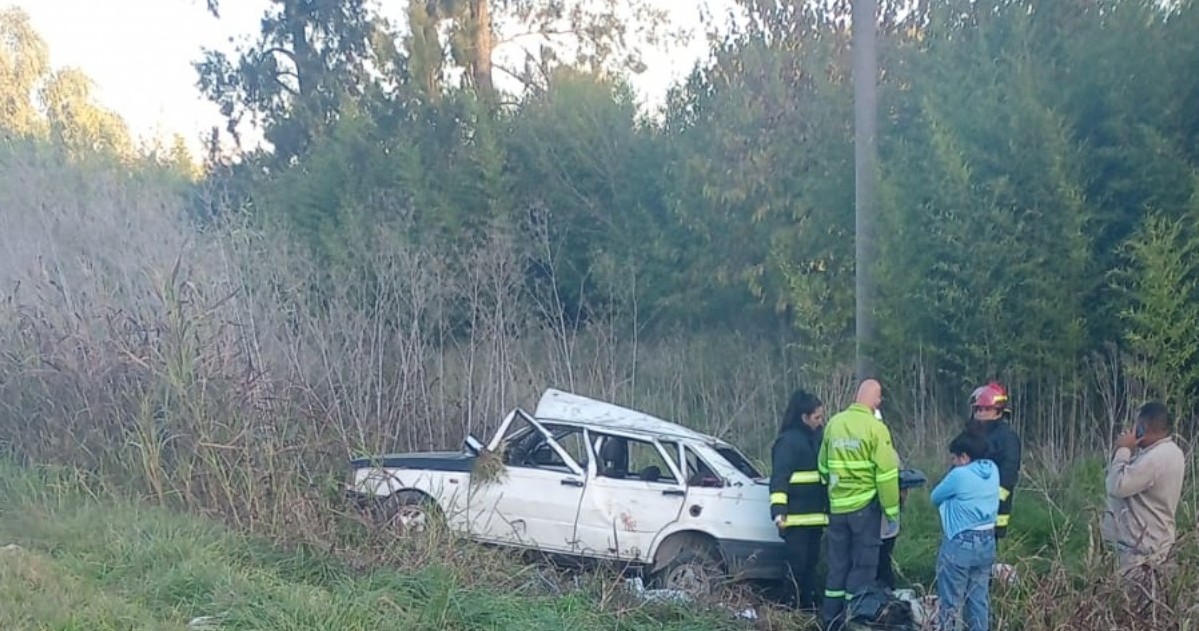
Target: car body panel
<point>666,479</point>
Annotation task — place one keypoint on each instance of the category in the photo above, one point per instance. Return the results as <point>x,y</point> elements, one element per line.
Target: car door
<point>633,492</point>
<point>533,502</point>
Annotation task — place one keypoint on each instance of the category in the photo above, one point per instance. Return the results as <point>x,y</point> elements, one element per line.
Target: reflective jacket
<point>859,463</point>
<point>1003,447</point>
<point>796,489</point>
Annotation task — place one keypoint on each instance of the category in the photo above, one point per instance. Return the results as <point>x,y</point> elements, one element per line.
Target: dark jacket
<point>1003,447</point>
<point>796,490</point>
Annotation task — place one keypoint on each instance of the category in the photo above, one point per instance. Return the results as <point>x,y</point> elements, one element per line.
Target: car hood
<point>428,460</point>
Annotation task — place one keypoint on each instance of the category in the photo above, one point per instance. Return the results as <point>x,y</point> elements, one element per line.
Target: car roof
<point>565,407</point>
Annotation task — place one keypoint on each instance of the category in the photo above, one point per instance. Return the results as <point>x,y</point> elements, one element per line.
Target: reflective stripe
<point>893,474</point>
<point>806,519</point>
<point>1002,521</point>
<point>805,477</point>
<point>852,500</point>
<point>850,465</point>
<point>778,498</point>
<point>834,593</point>
<point>1004,493</point>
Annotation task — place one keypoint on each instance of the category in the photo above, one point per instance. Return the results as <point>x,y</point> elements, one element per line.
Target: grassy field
<point>86,561</point>
<point>79,558</point>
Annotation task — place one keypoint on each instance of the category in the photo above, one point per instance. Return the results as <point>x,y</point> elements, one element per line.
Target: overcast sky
<point>139,53</point>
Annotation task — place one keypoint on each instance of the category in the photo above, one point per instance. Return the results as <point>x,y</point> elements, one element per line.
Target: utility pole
<point>865,153</point>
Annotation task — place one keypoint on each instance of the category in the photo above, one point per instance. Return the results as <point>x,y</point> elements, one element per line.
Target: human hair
<point>802,402</point>
<point>1154,415</point>
<point>970,444</point>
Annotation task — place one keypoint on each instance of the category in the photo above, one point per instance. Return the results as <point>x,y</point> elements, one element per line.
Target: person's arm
<point>1126,478</point>
<point>822,459</point>
<point>1009,466</point>
<point>782,457</point>
<point>946,489</point>
<point>886,471</point>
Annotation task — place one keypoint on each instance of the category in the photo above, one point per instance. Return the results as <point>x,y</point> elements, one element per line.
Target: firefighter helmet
<point>992,395</point>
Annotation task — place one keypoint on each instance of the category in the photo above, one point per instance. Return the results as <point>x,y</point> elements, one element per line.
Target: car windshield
<point>740,462</point>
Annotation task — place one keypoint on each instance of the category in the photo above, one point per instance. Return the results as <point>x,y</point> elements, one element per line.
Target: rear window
<point>739,462</point>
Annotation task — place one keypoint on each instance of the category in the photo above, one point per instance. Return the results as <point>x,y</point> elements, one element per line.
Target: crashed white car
<point>590,480</point>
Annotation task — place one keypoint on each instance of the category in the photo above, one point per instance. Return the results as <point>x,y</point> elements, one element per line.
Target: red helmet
<point>992,395</point>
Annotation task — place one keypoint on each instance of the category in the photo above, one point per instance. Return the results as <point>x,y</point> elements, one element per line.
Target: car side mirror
<point>472,445</point>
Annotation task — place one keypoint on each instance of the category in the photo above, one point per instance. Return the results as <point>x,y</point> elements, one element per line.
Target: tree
<point>76,122</point>
<point>24,63</point>
<point>1161,285</point>
<point>313,59</point>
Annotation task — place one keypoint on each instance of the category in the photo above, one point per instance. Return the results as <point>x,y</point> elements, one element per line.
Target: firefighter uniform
<point>859,463</point>
<point>1003,447</point>
<point>799,496</point>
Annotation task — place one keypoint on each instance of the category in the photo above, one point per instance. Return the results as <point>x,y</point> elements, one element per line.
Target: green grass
<point>93,560</point>
<point>111,563</point>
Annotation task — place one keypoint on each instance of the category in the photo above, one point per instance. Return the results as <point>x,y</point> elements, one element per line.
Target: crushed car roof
<point>556,405</point>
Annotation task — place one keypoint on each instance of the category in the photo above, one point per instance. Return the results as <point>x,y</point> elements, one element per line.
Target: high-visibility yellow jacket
<point>859,462</point>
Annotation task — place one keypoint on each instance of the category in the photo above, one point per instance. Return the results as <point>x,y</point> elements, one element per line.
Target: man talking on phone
<point>1144,484</point>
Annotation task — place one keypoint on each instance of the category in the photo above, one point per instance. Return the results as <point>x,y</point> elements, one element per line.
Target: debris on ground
<point>1004,572</point>
<point>205,623</point>
<point>12,547</point>
<point>637,587</point>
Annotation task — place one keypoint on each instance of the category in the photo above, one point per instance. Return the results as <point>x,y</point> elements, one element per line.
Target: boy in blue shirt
<point>968,501</point>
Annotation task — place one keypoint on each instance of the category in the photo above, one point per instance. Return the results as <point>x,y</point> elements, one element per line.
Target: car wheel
<point>409,513</point>
<point>695,571</point>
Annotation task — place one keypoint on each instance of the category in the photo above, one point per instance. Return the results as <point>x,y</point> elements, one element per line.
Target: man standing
<point>798,497</point>
<point>860,465</point>
<point>1143,491</point>
<point>989,405</point>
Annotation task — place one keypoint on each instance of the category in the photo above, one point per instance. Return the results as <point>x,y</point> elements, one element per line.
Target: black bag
<point>878,608</point>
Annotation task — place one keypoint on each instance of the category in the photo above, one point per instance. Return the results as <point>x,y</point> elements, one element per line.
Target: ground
<point>75,558</point>
<point>79,562</point>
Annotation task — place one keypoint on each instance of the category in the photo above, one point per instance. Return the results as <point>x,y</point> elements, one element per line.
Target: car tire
<point>408,513</point>
<point>696,571</point>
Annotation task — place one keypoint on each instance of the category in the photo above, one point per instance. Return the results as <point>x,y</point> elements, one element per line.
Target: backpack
<point>878,608</point>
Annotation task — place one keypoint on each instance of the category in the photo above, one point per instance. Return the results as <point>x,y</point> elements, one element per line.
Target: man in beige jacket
<point>1144,485</point>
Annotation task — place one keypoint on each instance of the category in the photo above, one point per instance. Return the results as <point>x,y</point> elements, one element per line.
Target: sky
<point>139,53</point>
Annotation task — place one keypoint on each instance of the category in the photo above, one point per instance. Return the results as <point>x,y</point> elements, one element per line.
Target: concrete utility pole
<point>865,105</point>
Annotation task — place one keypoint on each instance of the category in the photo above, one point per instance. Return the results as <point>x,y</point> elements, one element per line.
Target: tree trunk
<point>481,20</point>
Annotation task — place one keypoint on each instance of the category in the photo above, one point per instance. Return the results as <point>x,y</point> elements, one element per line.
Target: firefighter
<point>990,414</point>
<point>861,468</point>
<point>798,498</point>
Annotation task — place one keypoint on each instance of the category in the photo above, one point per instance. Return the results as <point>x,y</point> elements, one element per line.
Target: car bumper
<point>753,560</point>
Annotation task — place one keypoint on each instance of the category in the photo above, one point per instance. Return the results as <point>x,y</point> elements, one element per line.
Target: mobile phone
<point>1139,432</point>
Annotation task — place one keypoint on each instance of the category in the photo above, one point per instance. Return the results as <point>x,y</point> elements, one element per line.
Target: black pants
<point>803,553</point>
<point>886,570</point>
<point>853,549</point>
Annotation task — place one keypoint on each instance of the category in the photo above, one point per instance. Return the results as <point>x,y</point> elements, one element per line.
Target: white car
<point>590,480</point>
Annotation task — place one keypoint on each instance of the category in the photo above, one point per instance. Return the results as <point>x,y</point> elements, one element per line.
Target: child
<point>968,500</point>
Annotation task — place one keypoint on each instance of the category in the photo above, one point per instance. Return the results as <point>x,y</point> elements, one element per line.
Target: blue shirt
<point>968,497</point>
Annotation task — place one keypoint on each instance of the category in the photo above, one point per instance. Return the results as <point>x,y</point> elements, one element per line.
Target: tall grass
<point>224,371</point>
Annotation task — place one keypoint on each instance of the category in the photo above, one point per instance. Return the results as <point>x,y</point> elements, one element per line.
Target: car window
<point>739,461</point>
<point>571,440</point>
<point>624,458</point>
<point>526,446</point>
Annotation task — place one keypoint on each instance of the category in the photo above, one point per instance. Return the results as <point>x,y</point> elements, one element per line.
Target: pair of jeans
<point>853,550</point>
<point>803,554</point>
<point>964,580</point>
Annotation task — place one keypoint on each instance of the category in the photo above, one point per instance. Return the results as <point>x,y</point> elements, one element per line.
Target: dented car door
<point>633,492</point>
<point>532,499</point>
